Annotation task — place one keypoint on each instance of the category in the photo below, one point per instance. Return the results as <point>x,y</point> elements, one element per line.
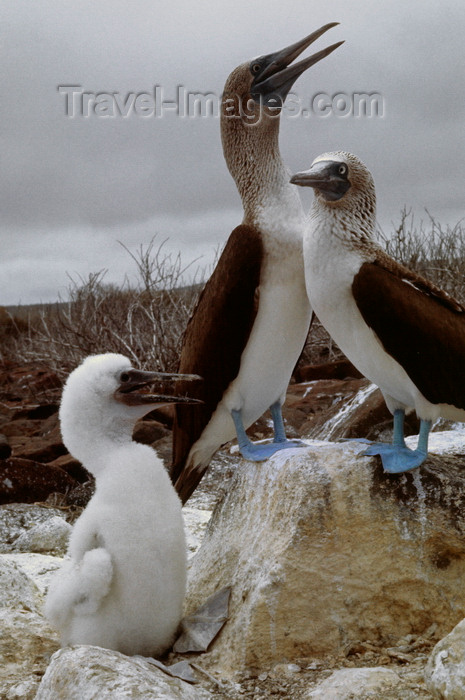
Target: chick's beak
<point>139,387</point>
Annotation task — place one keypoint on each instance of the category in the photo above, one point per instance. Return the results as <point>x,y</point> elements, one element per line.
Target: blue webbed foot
<point>287,444</point>
<point>280,431</point>
<point>259,452</point>
<point>396,459</point>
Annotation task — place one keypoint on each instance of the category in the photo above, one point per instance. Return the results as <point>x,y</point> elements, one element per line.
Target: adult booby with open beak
<point>252,319</point>
<point>402,332</point>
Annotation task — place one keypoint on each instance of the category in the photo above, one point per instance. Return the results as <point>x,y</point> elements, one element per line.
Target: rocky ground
<point>294,680</point>
<point>35,468</point>
<point>35,464</point>
<point>332,677</point>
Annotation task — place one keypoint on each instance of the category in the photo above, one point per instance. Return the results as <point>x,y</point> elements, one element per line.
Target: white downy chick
<point>123,587</point>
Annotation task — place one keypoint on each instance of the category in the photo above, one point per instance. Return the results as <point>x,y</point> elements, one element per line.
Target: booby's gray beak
<point>273,74</point>
<point>327,176</point>
<point>135,384</point>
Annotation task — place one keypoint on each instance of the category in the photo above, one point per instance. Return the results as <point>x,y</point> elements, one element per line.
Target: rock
<point>39,568</point>
<point>26,644</point>
<point>322,548</point>
<point>27,481</point>
<point>5,447</point>
<point>17,590</point>
<point>311,408</point>
<point>73,467</point>
<point>41,448</point>
<point>330,409</point>
<point>16,519</point>
<point>24,690</point>
<point>51,536</point>
<point>445,671</point>
<point>351,683</point>
<point>28,380</point>
<point>26,640</point>
<point>149,431</point>
<point>79,496</point>
<point>36,411</point>
<point>195,523</point>
<point>162,414</point>
<point>21,427</point>
<point>92,673</point>
<point>338,369</point>
<point>364,415</point>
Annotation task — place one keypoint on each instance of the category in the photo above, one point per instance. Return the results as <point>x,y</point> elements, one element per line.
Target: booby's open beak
<point>273,74</point>
<point>138,387</point>
<point>327,176</point>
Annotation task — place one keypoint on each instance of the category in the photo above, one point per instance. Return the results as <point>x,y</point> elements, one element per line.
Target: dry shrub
<point>10,325</point>
<point>145,322</point>
<point>433,251</point>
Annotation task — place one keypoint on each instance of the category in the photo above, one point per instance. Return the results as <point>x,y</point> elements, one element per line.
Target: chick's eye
<point>342,169</point>
<point>124,377</point>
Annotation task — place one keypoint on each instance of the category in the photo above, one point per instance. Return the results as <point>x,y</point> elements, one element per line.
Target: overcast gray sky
<point>71,188</point>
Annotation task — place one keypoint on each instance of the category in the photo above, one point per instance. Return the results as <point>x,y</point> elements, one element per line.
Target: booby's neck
<point>251,151</point>
<point>92,436</point>
<point>350,221</point>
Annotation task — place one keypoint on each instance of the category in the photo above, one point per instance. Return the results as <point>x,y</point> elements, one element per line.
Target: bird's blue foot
<point>259,452</point>
<point>280,431</point>
<point>397,457</point>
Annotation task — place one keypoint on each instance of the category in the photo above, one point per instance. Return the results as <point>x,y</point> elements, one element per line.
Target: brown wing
<point>216,336</point>
<point>419,325</point>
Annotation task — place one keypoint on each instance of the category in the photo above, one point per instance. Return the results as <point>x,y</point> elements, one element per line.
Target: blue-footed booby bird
<point>250,324</point>
<point>123,586</point>
<point>401,331</point>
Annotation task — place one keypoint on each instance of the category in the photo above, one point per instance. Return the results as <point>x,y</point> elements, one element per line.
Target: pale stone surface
<point>355,683</point>
<point>26,643</point>
<point>26,640</point>
<point>52,535</point>
<point>445,671</point>
<point>16,519</point>
<point>25,689</point>
<point>17,590</point>
<point>38,567</point>
<point>92,673</point>
<point>322,548</point>
<point>195,523</point>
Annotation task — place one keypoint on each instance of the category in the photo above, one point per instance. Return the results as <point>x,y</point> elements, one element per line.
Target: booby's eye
<point>342,170</point>
<point>124,377</point>
<point>255,68</point>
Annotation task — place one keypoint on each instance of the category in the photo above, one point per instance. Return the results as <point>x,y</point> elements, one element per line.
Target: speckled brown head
<point>341,182</point>
<point>252,100</point>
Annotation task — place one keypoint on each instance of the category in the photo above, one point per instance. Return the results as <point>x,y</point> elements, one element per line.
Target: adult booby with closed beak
<point>252,319</point>
<point>402,332</point>
<point>124,583</point>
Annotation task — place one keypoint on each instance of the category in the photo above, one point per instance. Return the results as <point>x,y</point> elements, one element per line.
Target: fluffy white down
<point>123,587</point>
